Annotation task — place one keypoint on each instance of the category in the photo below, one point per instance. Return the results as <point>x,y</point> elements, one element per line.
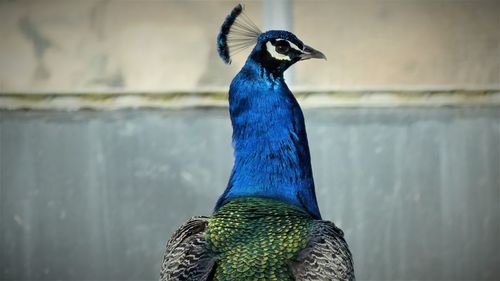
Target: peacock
<point>267,224</point>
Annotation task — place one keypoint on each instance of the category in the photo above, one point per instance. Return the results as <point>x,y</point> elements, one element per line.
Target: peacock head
<point>275,50</point>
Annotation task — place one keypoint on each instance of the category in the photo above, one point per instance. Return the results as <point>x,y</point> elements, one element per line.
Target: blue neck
<point>270,143</point>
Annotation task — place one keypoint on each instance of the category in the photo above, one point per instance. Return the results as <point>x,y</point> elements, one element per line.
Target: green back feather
<point>256,239</point>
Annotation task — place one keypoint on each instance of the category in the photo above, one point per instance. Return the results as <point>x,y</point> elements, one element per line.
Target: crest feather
<point>237,33</point>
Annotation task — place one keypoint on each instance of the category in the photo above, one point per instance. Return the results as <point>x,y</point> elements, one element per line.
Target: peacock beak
<point>311,53</point>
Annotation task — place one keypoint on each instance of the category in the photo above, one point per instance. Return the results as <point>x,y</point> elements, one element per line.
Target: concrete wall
<point>95,195</point>
<point>93,45</point>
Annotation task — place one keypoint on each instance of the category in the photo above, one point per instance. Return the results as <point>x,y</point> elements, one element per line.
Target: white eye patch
<point>291,45</point>
<point>271,49</point>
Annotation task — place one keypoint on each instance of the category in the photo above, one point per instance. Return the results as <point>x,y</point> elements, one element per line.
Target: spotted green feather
<point>256,239</point>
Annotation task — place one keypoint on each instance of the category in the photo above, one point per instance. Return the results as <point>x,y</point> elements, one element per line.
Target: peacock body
<point>267,224</point>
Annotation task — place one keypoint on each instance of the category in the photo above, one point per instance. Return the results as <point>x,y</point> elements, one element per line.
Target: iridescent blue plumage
<point>269,137</point>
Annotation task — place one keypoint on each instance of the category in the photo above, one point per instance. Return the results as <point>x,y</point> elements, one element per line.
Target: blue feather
<point>271,150</point>
<point>236,33</point>
<point>222,46</point>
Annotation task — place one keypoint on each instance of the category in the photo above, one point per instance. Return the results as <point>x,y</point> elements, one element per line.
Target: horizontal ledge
<point>218,99</point>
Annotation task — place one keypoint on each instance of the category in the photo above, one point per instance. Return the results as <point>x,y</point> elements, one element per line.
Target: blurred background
<point>114,130</point>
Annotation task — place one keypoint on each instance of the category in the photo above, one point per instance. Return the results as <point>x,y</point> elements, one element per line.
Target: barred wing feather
<point>186,256</point>
<point>326,257</point>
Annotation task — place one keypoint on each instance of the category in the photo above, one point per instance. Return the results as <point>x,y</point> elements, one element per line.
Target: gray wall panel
<point>95,195</point>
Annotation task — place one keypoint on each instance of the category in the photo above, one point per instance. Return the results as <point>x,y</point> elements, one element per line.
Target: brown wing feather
<point>326,257</point>
<point>186,255</point>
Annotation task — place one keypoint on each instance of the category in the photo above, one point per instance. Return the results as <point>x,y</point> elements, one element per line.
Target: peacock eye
<point>282,46</point>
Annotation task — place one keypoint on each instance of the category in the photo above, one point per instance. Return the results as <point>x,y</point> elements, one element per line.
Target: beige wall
<point>88,45</point>
<point>401,42</point>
